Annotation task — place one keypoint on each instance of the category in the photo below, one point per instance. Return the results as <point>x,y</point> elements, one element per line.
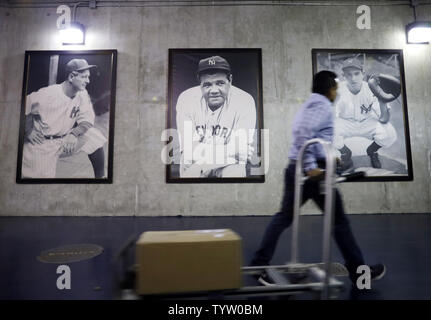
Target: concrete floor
<point>401,241</point>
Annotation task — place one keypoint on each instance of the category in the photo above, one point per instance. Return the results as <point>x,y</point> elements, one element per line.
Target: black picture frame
<point>46,68</point>
<point>395,157</point>
<point>246,68</point>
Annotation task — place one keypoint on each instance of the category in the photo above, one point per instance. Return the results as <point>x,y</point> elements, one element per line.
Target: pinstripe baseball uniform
<point>214,132</point>
<point>357,115</point>
<point>54,115</point>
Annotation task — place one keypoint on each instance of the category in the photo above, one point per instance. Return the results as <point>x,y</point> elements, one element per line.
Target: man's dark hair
<point>323,81</point>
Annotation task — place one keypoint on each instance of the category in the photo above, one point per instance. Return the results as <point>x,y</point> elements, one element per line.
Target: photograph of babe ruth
<point>370,124</point>
<point>66,120</point>
<point>215,118</point>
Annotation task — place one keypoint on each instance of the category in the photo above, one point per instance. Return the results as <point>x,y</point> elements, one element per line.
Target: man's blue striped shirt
<point>315,119</point>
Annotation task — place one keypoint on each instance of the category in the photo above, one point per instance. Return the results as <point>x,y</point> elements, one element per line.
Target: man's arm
<point>244,130</point>
<point>185,128</point>
<point>31,115</point>
<point>182,115</point>
<point>384,112</point>
<point>85,121</point>
<point>86,111</point>
<point>31,134</point>
<point>71,140</point>
<point>186,136</point>
<point>81,128</point>
<point>315,174</point>
<point>310,123</point>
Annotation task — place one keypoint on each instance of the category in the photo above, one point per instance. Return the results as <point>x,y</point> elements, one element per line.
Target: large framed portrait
<point>215,116</point>
<point>371,131</point>
<point>67,117</point>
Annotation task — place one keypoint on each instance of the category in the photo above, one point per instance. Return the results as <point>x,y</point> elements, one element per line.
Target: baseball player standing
<point>215,113</point>
<point>359,113</point>
<point>60,120</point>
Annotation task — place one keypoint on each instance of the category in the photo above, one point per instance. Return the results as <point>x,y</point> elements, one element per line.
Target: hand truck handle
<point>329,205</point>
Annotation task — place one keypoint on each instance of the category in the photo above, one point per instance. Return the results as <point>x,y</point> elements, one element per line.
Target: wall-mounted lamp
<point>74,34</point>
<point>418,32</point>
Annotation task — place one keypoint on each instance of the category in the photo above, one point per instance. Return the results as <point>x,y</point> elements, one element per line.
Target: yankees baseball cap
<point>352,63</point>
<point>213,63</point>
<point>78,65</point>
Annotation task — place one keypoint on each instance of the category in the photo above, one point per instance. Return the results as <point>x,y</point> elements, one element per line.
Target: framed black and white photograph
<point>67,117</point>
<point>215,116</point>
<point>371,131</point>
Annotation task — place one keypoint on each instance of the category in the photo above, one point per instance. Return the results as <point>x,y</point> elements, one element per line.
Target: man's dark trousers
<point>282,220</point>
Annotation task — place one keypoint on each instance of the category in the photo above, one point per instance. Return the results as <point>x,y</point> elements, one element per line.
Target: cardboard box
<point>188,261</point>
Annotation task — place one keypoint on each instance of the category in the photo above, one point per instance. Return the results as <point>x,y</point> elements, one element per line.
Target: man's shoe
<point>265,280</point>
<point>378,271</point>
<point>375,162</point>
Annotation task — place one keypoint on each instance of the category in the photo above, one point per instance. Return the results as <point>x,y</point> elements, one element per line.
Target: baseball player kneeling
<point>363,111</point>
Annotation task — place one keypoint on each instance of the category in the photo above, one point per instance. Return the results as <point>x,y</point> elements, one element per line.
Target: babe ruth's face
<point>215,88</point>
<point>79,80</point>
<point>354,79</point>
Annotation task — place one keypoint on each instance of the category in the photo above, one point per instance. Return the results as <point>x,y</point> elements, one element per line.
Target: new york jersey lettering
<point>74,112</point>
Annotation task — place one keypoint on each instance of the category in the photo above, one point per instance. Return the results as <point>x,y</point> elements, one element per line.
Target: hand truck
<point>313,277</point>
<point>319,274</point>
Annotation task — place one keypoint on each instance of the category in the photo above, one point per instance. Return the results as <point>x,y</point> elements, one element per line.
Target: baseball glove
<point>385,87</point>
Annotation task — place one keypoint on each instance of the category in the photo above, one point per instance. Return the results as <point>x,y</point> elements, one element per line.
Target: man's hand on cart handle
<point>316,174</point>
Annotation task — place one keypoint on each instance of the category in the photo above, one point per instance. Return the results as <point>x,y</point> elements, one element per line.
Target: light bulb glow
<point>419,35</point>
<point>73,35</point>
<point>418,32</point>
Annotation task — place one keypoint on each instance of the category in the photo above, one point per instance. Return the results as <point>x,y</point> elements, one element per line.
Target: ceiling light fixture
<point>418,32</point>
<point>74,34</point>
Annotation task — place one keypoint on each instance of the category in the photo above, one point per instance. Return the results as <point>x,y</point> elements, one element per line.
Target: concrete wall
<point>143,36</point>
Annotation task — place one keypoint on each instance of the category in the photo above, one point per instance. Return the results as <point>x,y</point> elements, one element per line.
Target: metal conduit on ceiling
<point>188,3</point>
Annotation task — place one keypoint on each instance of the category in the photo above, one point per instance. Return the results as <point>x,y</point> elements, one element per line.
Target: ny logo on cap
<point>211,62</point>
